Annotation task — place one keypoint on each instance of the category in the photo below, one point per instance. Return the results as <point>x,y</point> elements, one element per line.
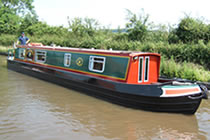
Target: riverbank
<point>4,50</point>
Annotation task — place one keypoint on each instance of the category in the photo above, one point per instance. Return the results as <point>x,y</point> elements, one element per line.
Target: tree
<point>9,21</point>
<point>27,21</point>
<point>82,27</point>
<point>15,12</point>
<point>192,30</point>
<point>137,26</point>
<point>19,6</point>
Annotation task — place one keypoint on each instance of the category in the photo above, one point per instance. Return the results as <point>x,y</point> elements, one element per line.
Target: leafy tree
<point>82,27</point>
<point>158,33</point>
<point>137,26</point>
<point>172,37</point>
<point>11,12</point>
<point>90,25</point>
<point>19,6</point>
<point>192,30</point>
<point>41,28</point>
<point>9,21</point>
<point>27,21</point>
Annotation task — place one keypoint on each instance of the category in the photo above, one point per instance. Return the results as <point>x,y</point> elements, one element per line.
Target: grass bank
<point>4,49</point>
<point>184,70</point>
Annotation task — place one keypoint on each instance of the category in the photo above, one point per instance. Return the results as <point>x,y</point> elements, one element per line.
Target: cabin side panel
<point>133,72</point>
<point>115,67</point>
<point>55,58</point>
<point>155,68</point>
<point>144,69</point>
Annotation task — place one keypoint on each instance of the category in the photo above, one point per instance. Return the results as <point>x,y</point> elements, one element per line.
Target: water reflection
<point>203,116</point>
<point>38,110</point>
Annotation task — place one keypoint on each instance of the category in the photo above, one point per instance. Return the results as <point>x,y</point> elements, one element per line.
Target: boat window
<point>140,68</point>
<point>67,59</point>
<point>146,72</point>
<point>21,53</point>
<point>41,56</point>
<point>29,54</point>
<point>97,64</point>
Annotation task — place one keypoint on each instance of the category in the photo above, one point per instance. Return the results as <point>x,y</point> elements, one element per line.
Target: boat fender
<point>196,97</point>
<point>205,91</point>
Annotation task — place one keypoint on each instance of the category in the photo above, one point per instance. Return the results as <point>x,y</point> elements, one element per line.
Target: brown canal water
<point>32,109</point>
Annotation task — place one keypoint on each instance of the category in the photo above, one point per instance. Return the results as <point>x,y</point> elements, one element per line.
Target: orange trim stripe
<point>181,91</point>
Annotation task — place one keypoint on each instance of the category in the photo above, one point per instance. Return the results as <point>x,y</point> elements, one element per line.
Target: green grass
<point>184,70</point>
<point>4,49</point>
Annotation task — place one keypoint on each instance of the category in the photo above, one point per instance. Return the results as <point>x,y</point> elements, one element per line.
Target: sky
<point>112,13</point>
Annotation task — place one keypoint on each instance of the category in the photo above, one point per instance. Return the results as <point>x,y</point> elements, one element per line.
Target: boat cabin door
<point>143,72</point>
<point>148,69</point>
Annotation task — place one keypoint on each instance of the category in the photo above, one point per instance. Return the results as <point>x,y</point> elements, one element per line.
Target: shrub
<point>192,30</point>
<point>183,70</point>
<point>7,39</point>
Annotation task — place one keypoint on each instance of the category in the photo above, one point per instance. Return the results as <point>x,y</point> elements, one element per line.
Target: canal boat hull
<point>146,97</point>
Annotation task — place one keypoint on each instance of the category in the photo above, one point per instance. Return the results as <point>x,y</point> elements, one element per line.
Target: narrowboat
<point>121,77</point>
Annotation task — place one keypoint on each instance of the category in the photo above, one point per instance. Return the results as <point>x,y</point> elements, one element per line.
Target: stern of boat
<point>188,96</point>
